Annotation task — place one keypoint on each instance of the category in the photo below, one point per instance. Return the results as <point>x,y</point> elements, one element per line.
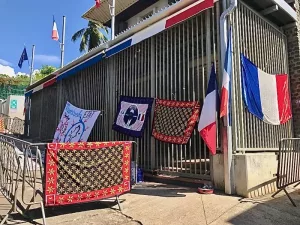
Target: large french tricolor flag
<point>226,84</point>
<point>54,31</point>
<point>207,126</point>
<point>265,95</point>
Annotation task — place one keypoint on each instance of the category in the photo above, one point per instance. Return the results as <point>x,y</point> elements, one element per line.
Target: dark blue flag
<point>23,58</point>
<point>132,115</point>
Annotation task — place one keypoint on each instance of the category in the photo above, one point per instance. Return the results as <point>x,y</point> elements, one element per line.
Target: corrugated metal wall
<point>44,117</point>
<point>35,115</point>
<point>266,46</point>
<point>174,64</point>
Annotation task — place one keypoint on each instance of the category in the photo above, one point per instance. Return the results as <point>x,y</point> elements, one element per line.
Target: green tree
<point>16,85</point>
<point>12,85</point>
<point>22,80</point>
<point>5,79</point>
<point>43,72</point>
<point>91,37</point>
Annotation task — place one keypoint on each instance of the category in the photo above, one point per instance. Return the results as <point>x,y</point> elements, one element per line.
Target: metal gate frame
<point>270,55</point>
<point>174,64</point>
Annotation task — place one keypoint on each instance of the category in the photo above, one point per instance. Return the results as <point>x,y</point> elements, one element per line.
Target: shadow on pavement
<point>165,190</point>
<point>143,189</point>
<point>160,190</point>
<point>278,210</point>
<point>36,213</point>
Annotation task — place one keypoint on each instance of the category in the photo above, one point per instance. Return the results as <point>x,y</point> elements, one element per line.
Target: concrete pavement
<point>157,204</point>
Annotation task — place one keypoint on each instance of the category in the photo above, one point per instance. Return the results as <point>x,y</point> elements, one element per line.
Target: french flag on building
<point>265,95</point>
<point>207,126</point>
<point>226,84</point>
<point>54,31</point>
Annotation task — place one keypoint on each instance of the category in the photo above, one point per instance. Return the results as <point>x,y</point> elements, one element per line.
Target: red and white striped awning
<point>102,13</point>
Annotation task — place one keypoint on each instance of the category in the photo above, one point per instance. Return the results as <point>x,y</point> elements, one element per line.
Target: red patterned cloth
<point>174,121</point>
<point>83,172</point>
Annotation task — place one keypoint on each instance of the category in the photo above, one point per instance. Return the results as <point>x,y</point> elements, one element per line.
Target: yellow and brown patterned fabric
<point>174,121</point>
<point>81,172</point>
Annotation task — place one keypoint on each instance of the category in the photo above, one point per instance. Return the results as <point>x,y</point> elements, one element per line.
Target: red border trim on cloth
<point>52,199</point>
<point>191,123</point>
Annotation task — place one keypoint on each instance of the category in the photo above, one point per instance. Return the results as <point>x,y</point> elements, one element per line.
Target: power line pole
<point>62,44</point>
<point>32,63</point>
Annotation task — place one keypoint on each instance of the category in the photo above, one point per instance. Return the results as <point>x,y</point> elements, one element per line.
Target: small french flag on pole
<point>54,31</point>
<point>225,108</point>
<point>98,3</point>
<point>207,126</point>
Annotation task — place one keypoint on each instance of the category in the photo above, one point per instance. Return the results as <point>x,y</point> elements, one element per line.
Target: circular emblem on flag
<point>131,115</point>
<point>75,133</point>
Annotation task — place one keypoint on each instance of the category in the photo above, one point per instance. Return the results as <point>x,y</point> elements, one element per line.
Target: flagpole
<point>62,47</point>
<point>32,63</point>
<point>113,19</point>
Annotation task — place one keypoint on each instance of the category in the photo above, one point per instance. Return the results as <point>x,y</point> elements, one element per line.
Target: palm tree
<point>91,36</point>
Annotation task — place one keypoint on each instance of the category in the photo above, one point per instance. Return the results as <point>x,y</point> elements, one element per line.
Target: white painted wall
<point>253,173</point>
<point>158,5</point>
<point>18,112</point>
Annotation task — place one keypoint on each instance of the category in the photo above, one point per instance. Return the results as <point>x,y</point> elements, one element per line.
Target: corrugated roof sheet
<point>102,14</point>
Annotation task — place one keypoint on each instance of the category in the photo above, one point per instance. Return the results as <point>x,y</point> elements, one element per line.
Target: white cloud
<point>47,59</point>
<point>5,63</point>
<point>35,71</point>
<point>27,74</point>
<point>20,73</point>
<point>7,70</point>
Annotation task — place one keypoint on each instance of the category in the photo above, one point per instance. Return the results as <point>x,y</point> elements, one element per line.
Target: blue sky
<point>30,22</point>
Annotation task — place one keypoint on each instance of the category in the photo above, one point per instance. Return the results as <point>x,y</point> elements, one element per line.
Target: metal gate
<point>174,64</point>
<point>266,46</point>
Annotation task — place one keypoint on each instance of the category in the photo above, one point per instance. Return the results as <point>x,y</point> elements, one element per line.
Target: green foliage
<point>43,72</point>
<point>17,85</point>
<point>22,80</point>
<point>91,37</point>
<point>11,86</point>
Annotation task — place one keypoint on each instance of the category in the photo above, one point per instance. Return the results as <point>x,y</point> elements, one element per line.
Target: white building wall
<point>10,110</point>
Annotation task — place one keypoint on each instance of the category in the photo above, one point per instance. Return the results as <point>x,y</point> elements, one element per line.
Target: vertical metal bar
<point>194,88</point>
<point>203,87</point>
<point>160,94</point>
<point>41,113</point>
<point>268,55</point>
<point>154,86</point>
<point>163,94</point>
<point>168,93</point>
<point>249,49</point>
<point>173,93</point>
<point>245,52</point>
<point>179,96</point>
<point>208,64</point>
<point>198,84</point>
<point>184,32</point>
<point>239,117</point>
<point>188,91</point>
<point>177,148</point>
